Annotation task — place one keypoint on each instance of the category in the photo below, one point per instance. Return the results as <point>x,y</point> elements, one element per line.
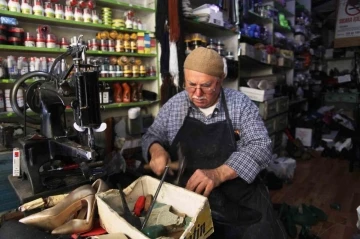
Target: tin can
<point>119,47</point>
<point>127,46</point>
<point>111,44</point>
<point>104,45</point>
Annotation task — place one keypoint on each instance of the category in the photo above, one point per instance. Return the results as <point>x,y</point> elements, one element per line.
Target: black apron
<point>239,209</point>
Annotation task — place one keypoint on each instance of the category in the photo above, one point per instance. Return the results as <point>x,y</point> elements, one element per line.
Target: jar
<point>129,19</point>
<point>119,47</point>
<point>111,44</point>
<point>50,41</point>
<point>87,15</point>
<point>134,24</point>
<point>94,45</point>
<point>16,32</point>
<point>127,71</point>
<point>14,6</point>
<point>127,46</point>
<point>4,5</point>
<point>95,18</point>
<point>104,45</point>
<point>152,71</point>
<point>38,9</point>
<point>104,71</point>
<point>64,44</point>
<point>133,47</point>
<point>112,71</point>
<point>29,40</point>
<point>26,7</point>
<point>59,11</point>
<point>23,65</point>
<point>142,71</point>
<point>78,15</point>
<point>40,40</point>
<point>139,24</point>
<point>69,15</point>
<point>15,41</point>
<point>3,39</point>
<point>119,71</point>
<point>49,10</point>
<point>135,71</point>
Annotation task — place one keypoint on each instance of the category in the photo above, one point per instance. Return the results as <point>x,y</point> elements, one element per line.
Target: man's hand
<point>159,159</point>
<point>203,181</point>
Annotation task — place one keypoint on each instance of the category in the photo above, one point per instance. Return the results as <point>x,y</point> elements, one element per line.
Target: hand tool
<point>133,220</point>
<point>172,165</point>
<point>155,196</point>
<point>182,163</point>
<point>139,206</point>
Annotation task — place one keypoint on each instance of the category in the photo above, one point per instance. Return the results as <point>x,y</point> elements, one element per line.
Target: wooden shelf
<point>6,115</point>
<point>113,3</point>
<point>57,50</point>
<point>65,23</point>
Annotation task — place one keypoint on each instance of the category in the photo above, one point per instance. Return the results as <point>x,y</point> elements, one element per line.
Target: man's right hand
<point>159,159</point>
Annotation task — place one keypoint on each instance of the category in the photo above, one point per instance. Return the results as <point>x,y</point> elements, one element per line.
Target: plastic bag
<point>283,168</point>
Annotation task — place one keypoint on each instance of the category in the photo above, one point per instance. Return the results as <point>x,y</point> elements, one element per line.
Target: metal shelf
<point>57,50</point>
<point>210,29</point>
<point>147,78</point>
<point>65,23</point>
<point>253,17</point>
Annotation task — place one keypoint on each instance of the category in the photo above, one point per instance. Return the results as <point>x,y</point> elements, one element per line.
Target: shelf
<point>64,23</point>
<point>113,3</point>
<point>148,78</point>
<point>256,18</point>
<point>251,63</point>
<point>281,29</point>
<point>340,58</point>
<point>6,115</point>
<point>210,29</point>
<point>282,9</point>
<point>57,50</point>
<point>251,41</point>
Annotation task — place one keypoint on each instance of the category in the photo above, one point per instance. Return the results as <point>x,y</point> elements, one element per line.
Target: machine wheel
<point>31,95</point>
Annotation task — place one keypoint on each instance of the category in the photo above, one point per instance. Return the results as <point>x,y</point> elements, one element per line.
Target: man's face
<point>203,89</point>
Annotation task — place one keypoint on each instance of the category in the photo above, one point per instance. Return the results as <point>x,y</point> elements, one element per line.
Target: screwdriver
<point>67,167</point>
<point>139,206</point>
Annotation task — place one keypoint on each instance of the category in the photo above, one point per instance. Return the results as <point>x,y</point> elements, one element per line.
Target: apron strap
<point>228,120</point>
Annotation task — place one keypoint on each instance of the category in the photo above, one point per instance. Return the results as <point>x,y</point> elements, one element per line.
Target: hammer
<point>178,166</point>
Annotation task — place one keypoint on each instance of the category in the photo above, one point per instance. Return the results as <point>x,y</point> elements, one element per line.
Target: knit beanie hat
<point>206,61</point>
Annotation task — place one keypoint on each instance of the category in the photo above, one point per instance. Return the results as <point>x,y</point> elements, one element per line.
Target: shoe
<point>100,186</point>
<point>58,219</point>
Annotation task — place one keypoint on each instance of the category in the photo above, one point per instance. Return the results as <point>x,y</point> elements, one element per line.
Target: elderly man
<point>225,144</point>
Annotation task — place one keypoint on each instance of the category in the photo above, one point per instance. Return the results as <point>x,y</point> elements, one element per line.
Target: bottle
<point>14,6</point>
<point>106,94</point>
<point>87,15</point>
<point>49,11</point>
<point>139,25</point>
<point>78,15</point>
<point>69,15</point>
<point>59,11</point>
<point>12,67</point>
<point>26,7</point>
<point>94,17</point>
<point>38,8</point>
<point>3,5</point>
<point>2,101</point>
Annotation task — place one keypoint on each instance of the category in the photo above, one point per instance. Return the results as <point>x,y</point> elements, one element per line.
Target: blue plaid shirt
<point>254,148</point>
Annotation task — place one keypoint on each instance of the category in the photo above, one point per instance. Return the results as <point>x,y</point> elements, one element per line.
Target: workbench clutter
<point>176,212</point>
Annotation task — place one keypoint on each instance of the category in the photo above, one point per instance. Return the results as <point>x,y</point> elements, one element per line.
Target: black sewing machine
<point>45,155</point>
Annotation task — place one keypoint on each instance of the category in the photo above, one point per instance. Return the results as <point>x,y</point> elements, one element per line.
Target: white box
<point>184,201</point>
<point>248,90</point>
<point>304,135</point>
<point>16,162</point>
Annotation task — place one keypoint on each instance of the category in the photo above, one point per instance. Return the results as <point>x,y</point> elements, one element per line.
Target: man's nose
<point>198,92</point>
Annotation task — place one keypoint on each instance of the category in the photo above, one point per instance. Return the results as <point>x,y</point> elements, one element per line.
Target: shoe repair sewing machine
<point>49,95</point>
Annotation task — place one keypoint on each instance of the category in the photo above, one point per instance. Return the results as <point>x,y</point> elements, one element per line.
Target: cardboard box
<point>193,205</point>
<point>258,95</point>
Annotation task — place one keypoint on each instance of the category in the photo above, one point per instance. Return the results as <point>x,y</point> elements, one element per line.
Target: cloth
<point>253,152</point>
<point>206,61</point>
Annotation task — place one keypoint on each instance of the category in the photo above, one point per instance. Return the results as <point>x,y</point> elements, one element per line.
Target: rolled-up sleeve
<point>254,149</point>
<point>157,131</point>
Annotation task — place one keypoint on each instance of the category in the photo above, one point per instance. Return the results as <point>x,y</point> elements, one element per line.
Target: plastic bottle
<point>3,5</point>
<point>49,10</point>
<point>87,15</point>
<point>69,15</point>
<point>78,15</point>
<point>38,9</point>
<point>14,6</point>
<point>59,11</point>
<point>26,7</point>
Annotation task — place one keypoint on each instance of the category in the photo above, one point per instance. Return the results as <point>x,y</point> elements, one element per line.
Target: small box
<point>247,50</point>
<point>192,204</point>
<point>304,135</point>
<point>16,162</point>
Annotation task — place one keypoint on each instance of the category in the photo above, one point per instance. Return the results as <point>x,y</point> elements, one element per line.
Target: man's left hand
<point>203,181</point>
